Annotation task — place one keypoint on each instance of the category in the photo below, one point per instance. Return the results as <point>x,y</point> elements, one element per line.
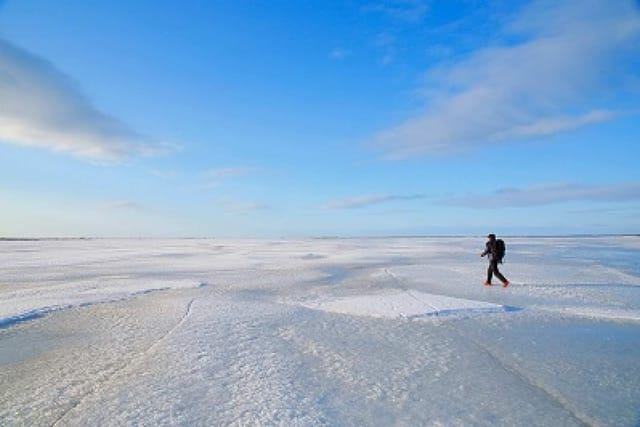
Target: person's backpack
<point>500,249</point>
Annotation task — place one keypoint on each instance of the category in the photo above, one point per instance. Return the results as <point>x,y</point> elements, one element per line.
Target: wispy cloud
<point>166,174</point>
<point>387,43</point>
<point>217,177</point>
<point>125,205</point>
<point>549,194</point>
<point>238,207</point>
<point>42,107</point>
<point>251,207</point>
<point>233,172</point>
<point>631,210</point>
<point>339,53</point>
<point>558,63</point>
<point>401,12</point>
<point>404,10</point>
<point>366,200</point>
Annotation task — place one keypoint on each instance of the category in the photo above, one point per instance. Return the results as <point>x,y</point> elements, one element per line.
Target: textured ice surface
<point>319,332</point>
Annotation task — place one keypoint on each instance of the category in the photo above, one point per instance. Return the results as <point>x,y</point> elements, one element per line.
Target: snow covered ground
<point>348,332</point>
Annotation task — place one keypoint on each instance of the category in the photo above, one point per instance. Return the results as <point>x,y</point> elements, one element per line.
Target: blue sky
<point>319,118</point>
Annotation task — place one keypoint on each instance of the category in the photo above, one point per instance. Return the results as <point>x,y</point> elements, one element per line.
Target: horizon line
<point>328,237</point>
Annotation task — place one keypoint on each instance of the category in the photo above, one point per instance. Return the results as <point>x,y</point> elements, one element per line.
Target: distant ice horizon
<point>303,237</point>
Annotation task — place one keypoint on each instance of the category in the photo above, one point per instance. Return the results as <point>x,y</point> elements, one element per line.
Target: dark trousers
<point>493,269</point>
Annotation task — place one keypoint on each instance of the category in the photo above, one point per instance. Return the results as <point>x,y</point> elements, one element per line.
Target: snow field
<point>319,332</point>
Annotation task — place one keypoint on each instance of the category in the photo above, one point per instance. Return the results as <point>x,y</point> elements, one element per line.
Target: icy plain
<point>336,332</point>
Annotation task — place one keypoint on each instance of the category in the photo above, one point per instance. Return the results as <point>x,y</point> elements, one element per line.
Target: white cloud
<point>570,59</point>
<point>41,107</point>
<point>551,193</point>
<point>551,125</point>
<point>366,200</point>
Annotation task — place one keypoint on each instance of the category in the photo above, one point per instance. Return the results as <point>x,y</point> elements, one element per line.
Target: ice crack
<point>126,365</point>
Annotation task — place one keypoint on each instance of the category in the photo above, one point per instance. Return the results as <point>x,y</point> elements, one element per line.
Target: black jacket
<point>490,248</point>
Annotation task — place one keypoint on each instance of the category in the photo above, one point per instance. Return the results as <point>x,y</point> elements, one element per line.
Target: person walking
<point>495,249</point>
